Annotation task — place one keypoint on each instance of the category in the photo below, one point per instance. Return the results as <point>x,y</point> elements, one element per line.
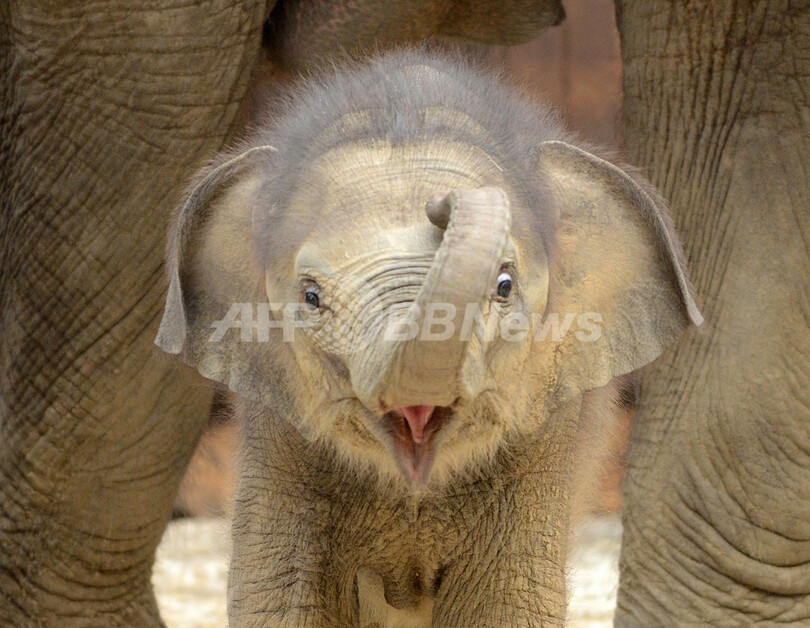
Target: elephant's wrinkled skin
<point>717,494</point>
<point>428,479</point>
<point>107,108</point>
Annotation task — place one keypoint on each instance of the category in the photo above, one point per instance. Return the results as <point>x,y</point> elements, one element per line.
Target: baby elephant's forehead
<point>391,184</point>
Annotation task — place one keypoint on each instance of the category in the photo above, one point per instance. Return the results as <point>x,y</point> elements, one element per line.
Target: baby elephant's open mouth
<point>413,430</point>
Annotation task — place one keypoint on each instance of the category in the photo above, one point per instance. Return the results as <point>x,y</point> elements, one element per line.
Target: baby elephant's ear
<point>617,267</point>
<point>213,271</point>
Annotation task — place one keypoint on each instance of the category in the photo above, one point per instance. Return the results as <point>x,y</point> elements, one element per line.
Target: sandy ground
<point>192,565</point>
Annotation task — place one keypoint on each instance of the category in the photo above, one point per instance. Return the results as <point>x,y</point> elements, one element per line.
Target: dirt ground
<point>192,564</point>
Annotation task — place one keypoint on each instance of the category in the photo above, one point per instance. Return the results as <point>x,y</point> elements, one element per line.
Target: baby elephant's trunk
<point>418,358</point>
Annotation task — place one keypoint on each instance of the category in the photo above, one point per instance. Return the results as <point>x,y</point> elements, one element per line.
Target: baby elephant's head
<point>414,266</point>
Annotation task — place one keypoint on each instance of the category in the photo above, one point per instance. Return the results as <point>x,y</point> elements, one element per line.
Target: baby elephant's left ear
<point>618,263</point>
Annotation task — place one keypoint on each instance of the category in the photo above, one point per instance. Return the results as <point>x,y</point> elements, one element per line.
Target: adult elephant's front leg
<point>717,508</point>
<point>104,116</point>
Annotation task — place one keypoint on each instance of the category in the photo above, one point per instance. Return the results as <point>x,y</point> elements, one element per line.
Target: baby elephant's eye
<point>504,286</point>
<point>312,299</point>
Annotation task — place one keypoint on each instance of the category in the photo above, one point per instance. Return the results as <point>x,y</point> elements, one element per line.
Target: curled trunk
<point>425,369</point>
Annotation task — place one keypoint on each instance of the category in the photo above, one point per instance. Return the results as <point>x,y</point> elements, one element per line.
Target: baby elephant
<point>422,292</point>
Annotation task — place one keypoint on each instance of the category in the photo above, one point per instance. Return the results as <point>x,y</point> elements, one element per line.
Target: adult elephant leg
<point>106,110</point>
<point>717,495</point>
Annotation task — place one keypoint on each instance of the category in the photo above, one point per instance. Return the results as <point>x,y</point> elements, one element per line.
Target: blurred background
<point>576,68</point>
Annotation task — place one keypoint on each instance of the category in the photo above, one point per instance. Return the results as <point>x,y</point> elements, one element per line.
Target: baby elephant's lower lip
<point>413,431</point>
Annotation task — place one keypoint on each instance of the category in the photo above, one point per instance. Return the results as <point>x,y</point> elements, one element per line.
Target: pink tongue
<point>417,417</point>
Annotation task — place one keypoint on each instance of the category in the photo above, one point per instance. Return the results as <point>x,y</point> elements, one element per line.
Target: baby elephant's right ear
<point>212,269</point>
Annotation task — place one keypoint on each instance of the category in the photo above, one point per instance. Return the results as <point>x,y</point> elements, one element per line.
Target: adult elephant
<point>107,108</point>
